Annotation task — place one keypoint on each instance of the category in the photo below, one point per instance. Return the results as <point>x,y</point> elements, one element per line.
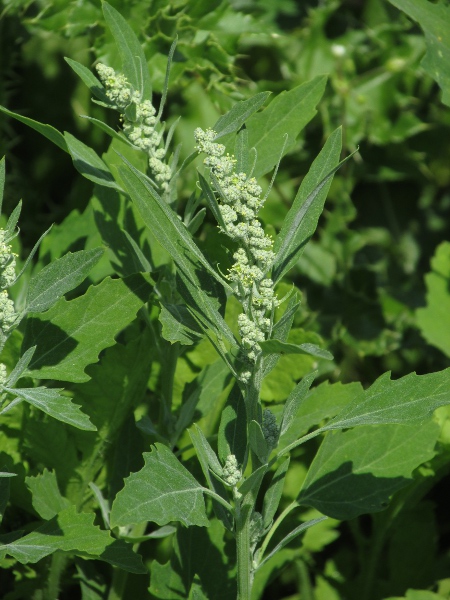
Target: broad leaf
<point>356,471</point>
<point>45,495</point>
<point>50,401</point>
<point>288,113</point>
<point>178,325</point>
<point>303,216</point>
<point>59,277</point>
<point>71,335</point>
<point>236,117</point>
<point>410,399</point>
<point>434,19</point>
<point>434,319</point>
<point>134,63</point>
<point>74,532</point>
<point>162,491</point>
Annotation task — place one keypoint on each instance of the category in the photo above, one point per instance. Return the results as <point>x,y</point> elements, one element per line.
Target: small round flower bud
<point>269,428</point>
<point>230,472</point>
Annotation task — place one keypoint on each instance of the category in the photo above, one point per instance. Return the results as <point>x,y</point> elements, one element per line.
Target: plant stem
<point>58,564</point>
<point>120,577</point>
<point>275,526</point>
<point>244,567</point>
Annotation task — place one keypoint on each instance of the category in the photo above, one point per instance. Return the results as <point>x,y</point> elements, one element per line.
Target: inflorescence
<point>139,122</point>
<point>240,202</point>
<point>8,315</point>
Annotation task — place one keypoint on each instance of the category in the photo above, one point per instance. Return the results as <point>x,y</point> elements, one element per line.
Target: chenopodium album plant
<point>244,472</point>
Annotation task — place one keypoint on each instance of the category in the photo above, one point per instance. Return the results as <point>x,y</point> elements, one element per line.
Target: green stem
<point>275,526</point>
<point>171,353</point>
<point>58,565</point>
<point>120,577</point>
<point>244,567</point>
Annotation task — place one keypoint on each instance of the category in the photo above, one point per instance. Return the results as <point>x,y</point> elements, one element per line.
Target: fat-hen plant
<point>171,300</point>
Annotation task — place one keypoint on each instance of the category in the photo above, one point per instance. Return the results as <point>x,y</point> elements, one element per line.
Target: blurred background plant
<point>370,284</point>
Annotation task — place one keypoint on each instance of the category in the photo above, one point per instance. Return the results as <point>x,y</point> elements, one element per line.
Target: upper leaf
<point>301,221</point>
<point>288,113</point>
<point>236,117</point>
<point>162,491</point>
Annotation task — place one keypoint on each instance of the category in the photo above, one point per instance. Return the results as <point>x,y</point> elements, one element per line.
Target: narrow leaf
<point>211,200</point>
<point>20,367</point>
<point>281,332</point>
<point>89,79</point>
<point>2,182</point>
<point>257,441</point>
<point>87,162</point>
<point>250,487</point>
<point>162,491</point>
<point>75,532</point>
<point>59,277</point>
<point>115,135</point>
<point>50,401</point>
<point>278,347</point>
<point>273,495</point>
<point>303,216</point>
<point>47,131</point>
<point>134,63</point>
<point>294,400</point>
<point>13,218</point>
<point>236,117</point>
<point>204,449</point>
<point>233,429</point>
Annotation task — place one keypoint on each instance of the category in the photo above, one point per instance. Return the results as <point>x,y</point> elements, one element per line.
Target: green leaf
<point>59,277</point>
<point>204,450</point>
<point>50,401</point>
<point>13,219</point>
<point>281,332</point>
<point>134,63</point>
<point>257,441</point>
<point>115,135</point>
<point>277,347</point>
<point>178,325</point>
<point>273,494</point>
<point>236,117</point>
<point>74,532</point>
<point>250,487</point>
<point>434,19</point>
<point>2,182</point>
<point>356,471</point>
<point>211,200</point>
<point>193,268</point>
<point>293,402</point>
<point>46,497</point>
<point>47,131</point>
<point>409,399</point>
<point>87,162</point>
<point>288,113</point>
<point>89,79</point>
<point>162,491</point>
<point>434,319</point>
<point>20,367</point>
<point>301,221</point>
<point>233,427</point>
<point>4,487</point>
<point>71,335</point>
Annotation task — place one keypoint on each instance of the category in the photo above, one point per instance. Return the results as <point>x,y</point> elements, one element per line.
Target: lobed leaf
<point>45,495</point>
<point>162,491</point>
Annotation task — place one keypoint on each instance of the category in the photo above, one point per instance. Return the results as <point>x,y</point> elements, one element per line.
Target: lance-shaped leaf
<point>50,401</point>
<point>2,182</point>
<point>87,162</point>
<point>71,335</point>
<point>257,441</point>
<point>280,332</point>
<point>20,367</point>
<point>47,131</point>
<point>301,221</point>
<point>75,532</point>
<point>409,399</point>
<point>89,79</point>
<point>356,471</point>
<point>211,200</point>
<point>294,400</point>
<point>277,347</point>
<point>13,218</point>
<point>197,275</point>
<point>273,495</point>
<point>236,117</point>
<point>233,427</point>
<point>134,63</point>
<point>288,113</point>
<point>162,491</point>
<point>59,277</point>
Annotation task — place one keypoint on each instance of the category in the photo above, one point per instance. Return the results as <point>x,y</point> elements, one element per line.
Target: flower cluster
<point>8,315</point>
<point>139,122</point>
<point>231,473</point>
<point>241,200</point>
<point>270,428</point>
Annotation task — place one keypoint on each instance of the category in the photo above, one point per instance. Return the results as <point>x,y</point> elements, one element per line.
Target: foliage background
<point>375,278</point>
